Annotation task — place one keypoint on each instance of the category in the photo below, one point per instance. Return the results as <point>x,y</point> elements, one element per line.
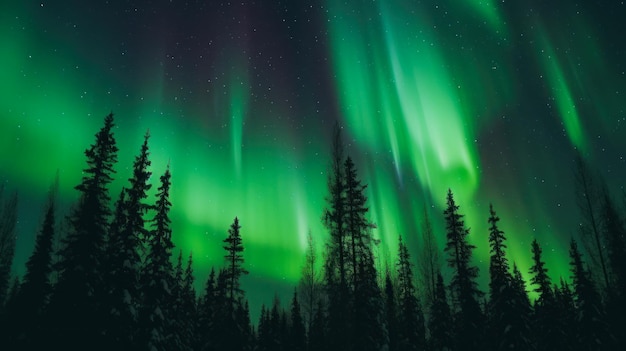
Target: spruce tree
<point>310,287</point>
<point>440,322</point>
<point>588,200</point>
<point>8,221</point>
<point>206,313</point>
<point>156,316</point>
<point>507,327</point>
<point>411,328</point>
<point>546,314</point>
<point>468,315</point>
<point>391,311</point>
<point>76,301</point>
<point>35,290</point>
<point>614,232</point>
<point>590,320</point>
<point>297,332</point>
<point>127,244</point>
<point>317,340</point>
<point>340,328</point>
<point>429,262</point>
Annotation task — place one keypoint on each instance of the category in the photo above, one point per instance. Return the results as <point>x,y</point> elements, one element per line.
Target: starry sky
<point>488,98</point>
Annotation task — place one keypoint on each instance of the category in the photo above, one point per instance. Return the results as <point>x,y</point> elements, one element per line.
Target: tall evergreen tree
<point>206,313</point>
<point>234,262</point>
<point>8,221</point>
<point>317,333</point>
<point>545,319</point>
<point>468,317</point>
<point>310,283</point>
<point>429,262</point>
<point>75,304</point>
<point>412,332</point>
<point>188,313</point>
<point>590,320</point>
<point>340,328</point>
<point>156,316</point>
<point>588,200</point>
<point>440,322</point>
<point>391,310</point>
<point>126,244</point>
<point>32,299</point>
<point>297,332</point>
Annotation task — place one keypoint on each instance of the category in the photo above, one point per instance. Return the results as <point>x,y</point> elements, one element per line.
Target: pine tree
<point>429,262</point>
<point>310,284</point>
<point>155,319</point>
<point>317,334</point>
<point>340,328</point>
<point>545,319</point>
<point>440,323</point>
<point>75,303</point>
<point>590,320</point>
<point>521,310</point>
<point>35,290</point>
<point>391,310</point>
<point>468,316</point>
<point>8,221</point>
<point>126,244</point>
<point>411,331</point>
<point>263,339</point>
<point>188,308</point>
<point>614,233</point>
<point>206,313</point>
<point>297,333</point>
<point>234,261</point>
<point>507,327</point>
<point>588,201</point>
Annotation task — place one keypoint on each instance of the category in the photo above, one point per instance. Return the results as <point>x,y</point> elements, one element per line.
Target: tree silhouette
<point>156,320</point>
<point>75,303</point>
<point>429,262</point>
<point>297,333</point>
<point>440,323</point>
<point>545,319</point>
<point>411,328</point>
<point>8,221</point>
<point>589,319</point>
<point>468,317</point>
<point>34,292</point>
<point>391,311</point>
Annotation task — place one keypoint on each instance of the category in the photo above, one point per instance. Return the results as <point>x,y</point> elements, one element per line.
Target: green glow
<point>562,95</point>
<point>431,96</point>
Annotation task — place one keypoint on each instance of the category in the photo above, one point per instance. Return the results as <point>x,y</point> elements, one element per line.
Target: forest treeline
<point>112,283</point>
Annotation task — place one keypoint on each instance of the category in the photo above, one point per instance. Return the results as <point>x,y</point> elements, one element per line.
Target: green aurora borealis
<point>488,98</point>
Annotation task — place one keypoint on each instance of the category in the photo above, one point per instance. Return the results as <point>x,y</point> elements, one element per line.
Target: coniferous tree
<point>35,290</point>
<point>368,306</point>
<point>615,239</point>
<point>229,330</point>
<point>8,221</point>
<point>126,245</point>
<point>521,310</point>
<point>507,326</point>
<point>310,283</point>
<point>590,319</point>
<point>565,316</point>
<point>206,313</point>
<point>188,309</point>
<point>156,316</point>
<point>297,332</point>
<point>588,201</point>
<point>411,331</point>
<point>468,315</point>
<point>76,301</point>
<point>440,322</point>
<point>263,338</point>
<point>429,262</point>
<point>391,310</point>
<point>546,314</point>
<point>340,328</point>
<point>317,334</point>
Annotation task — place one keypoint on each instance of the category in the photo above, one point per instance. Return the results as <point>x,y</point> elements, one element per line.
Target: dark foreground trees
<point>115,285</point>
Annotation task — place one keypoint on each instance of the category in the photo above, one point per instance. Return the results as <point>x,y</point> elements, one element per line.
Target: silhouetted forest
<point>113,283</point>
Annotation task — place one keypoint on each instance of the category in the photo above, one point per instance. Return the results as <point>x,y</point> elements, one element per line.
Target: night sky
<point>488,98</point>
